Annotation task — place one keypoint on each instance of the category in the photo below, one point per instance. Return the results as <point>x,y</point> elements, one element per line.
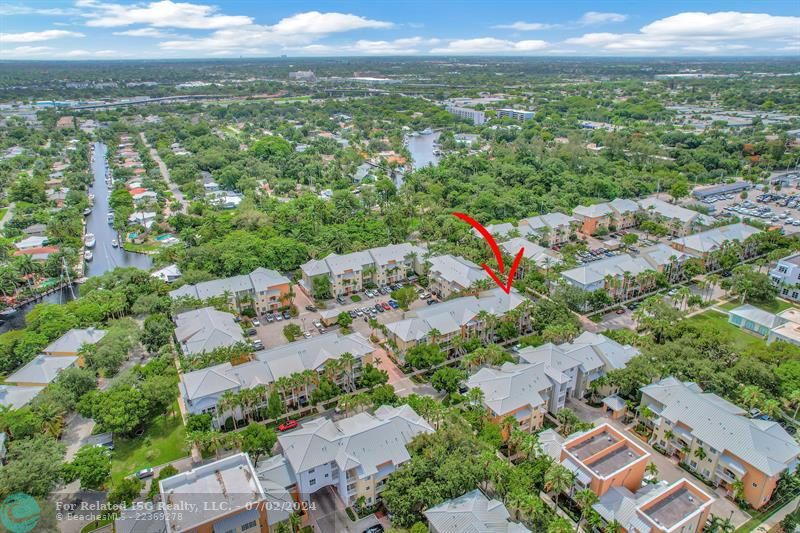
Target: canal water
<point>106,257</point>
<point>421,147</point>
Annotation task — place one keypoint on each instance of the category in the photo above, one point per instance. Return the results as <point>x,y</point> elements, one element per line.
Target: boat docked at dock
<point>89,240</point>
<point>88,256</point>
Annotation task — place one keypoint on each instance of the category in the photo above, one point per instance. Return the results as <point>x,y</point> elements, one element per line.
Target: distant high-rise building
<point>477,117</point>
<point>303,75</point>
<point>516,114</point>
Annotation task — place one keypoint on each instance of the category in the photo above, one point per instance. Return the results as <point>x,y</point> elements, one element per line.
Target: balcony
<point>725,475</point>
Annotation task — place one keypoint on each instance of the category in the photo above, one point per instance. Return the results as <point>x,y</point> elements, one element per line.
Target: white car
<point>256,323</point>
<point>306,334</point>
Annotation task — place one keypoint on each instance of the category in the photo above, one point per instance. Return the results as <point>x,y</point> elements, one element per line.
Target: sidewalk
<point>774,521</point>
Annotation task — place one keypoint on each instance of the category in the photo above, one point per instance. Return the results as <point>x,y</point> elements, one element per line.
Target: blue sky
<point>118,29</point>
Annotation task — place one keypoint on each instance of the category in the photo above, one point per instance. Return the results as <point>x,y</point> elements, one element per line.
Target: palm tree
<point>737,489</point>
<point>294,522</point>
<point>652,469</point>
<point>585,498</point>
<point>751,396</point>
<point>558,479</point>
<point>347,362</point>
<point>794,401</point>
<point>720,525</point>
<point>612,527</point>
<point>700,453</point>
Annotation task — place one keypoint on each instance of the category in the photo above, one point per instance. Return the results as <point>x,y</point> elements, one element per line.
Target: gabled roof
<point>42,369</point>
<point>71,341</point>
<point>497,230</point>
<point>208,381</point>
<point>454,269</point>
<point>706,241</point>
<point>613,354</point>
<point>511,387</point>
<point>258,280</point>
<point>362,441</point>
<point>593,211</point>
<point>623,206</point>
<point>451,315</point>
<point>716,422</point>
<point>659,255</point>
<point>674,212</point>
<point>335,264</point>
<point>539,255</point>
<point>616,266</point>
<point>759,316</point>
<point>472,513</point>
<point>313,353</point>
<point>203,330</point>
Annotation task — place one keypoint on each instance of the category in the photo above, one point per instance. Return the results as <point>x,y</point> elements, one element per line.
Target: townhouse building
<point>705,243</point>
<point>472,512</point>
<point>573,366</point>
<point>202,390</point>
<point>263,289</point>
<point>454,319</point>
<point>663,507</point>
<point>625,210</point>
<point>519,390</point>
<point>678,220</point>
<point>620,275</point>
<point>594,219</point>
<point>450,274</point>
<point>541,257</point>
<point>785,275</point>
<point>206,329</point>
<point>552,228</point>
<point>349,273</point>
<point>353,455</point>
<point>735,448</point>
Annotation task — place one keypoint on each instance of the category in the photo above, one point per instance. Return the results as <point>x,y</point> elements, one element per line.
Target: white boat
<point>87,211</point>
<point>427,131</point>
<point>88,256</point>
<point>89,240</point>
<point>114,243</point>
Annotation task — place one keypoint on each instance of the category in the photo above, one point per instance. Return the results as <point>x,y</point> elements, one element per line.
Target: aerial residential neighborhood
<point>485,267</point>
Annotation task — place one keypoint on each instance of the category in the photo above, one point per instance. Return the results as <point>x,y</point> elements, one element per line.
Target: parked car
<point>258,345</point>
<point>377,528</point>
<point>424,296</point>
<point>286,315</point>
<point>144,473</point>
<point>311,308</point>
<point>431,301</point>
<point>278,317</point>
<point>286,426</point>
<point>306,334</point>
<point>256,323</point>
<point>386,306</point>
<point>251,331</point>
<point>270,318</point>
<point>340,300</point>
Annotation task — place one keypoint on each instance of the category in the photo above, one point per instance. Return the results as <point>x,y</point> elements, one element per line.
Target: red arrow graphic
<point>506,286</point>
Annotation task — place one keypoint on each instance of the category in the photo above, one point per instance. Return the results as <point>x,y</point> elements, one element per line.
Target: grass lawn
<point>355,298</point>
<point>163,441</point>
<point>714,320</point>
<point>775,306</point>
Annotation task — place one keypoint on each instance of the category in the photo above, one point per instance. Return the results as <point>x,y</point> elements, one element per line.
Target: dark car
<point>431,301</point>
<point>251,331</point>
<point>379,308</point>
<point>377,528</point>
<point>340,300</point>
<point>462,388</point>
<point>310,308</point>
<point>286,315</point>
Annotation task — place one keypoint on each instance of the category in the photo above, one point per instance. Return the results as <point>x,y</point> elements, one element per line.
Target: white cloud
<point>595,17</point>
<point>162,14</point>
<point>489,45</point>
<point>526,26</point>
<point>707,33</point>
<point>148,32</point>
<point>35,36</point>
<point>89,53</point>
<point>316,23</point>
<point>410,45</point>
<point>296,30</point>
<point>15,9</point>
<point>26,51</point>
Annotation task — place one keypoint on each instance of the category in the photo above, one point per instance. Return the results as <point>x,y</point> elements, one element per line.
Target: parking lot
<point>271,333</point>
<point>774,208</point>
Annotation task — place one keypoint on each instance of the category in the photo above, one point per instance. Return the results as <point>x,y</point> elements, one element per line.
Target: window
<point>312,482</point>
<point>310,470</point>
<point>249,525</point>
<point>755,484</point>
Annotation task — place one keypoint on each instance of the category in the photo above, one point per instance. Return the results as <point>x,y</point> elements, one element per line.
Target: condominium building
<point>703,244</point>
<point>786,276</point>
<point>225,495</point>
<point>735,447</point>
<point>354,455</point>
<point>538,255</point>
<point>519,390</point>
<point>553,228</point>
<point>348,273</point>
<point>206,329</point>
<point>201,390</point>
<point>678,220</point>
<point>622,269</point>
<point>264,290</point>
<point>473,115</point>
<point>472,512</point>
<point>601,458</point>
<point>453,319</point>
<point>450,274</point>
<point>573,366</point>
<point>663,507</point>
<point>594,219</point>
<point>517,114</point>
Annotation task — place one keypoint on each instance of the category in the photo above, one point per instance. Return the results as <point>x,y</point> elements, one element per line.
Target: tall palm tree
<point>347,362</point>
<point>585,498</point>
<point>558,479</point>
<point>652,469</point>
<point>612,527</point>
<point>700,453</point>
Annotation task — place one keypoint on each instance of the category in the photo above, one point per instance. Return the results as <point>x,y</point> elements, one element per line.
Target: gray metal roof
<point>205,329</point>
<point>543,257</point>
<point>71,341</point>
<point>472,513</point>
<point>362,441</point>
<point>312,353</point>
<point>613,266</point>
<point>42,369</point>
<point>673,211</point>
<point>593,211</point>
<point>511,387</point>
<point>754,314</point>
<point>16,397</point>
<point>258,280</point>
<point>769,450</point>
<point>712,239</point>
<point>335,264</point>
<point>453,269</point>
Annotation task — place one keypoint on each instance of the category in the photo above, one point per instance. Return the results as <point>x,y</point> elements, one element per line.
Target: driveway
<point>77,430</point>
<point>668,468</point>
<point>327,513</point>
